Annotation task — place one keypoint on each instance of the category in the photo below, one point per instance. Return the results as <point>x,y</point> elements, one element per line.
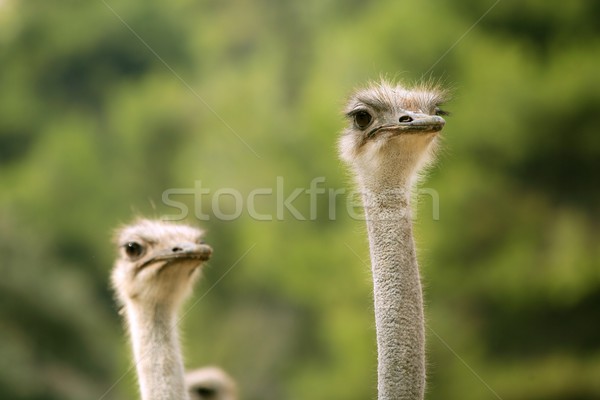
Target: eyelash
<point>439,111</point>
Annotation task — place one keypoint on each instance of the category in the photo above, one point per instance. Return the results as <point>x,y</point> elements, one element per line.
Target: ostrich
<point>391,135</point>
<point>210,383</point>
<point>158,264</point>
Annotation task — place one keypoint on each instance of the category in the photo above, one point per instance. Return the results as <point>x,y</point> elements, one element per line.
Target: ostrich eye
<point>439,111</point>
<point>205,393</point>
<point>362,119</point>
<point>134,249</point>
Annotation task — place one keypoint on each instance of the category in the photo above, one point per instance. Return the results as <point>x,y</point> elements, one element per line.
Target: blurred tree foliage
<point>105,105</point>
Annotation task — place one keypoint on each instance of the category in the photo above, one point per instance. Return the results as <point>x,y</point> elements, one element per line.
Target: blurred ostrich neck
<point>159,364</point>
<point>397,287</point>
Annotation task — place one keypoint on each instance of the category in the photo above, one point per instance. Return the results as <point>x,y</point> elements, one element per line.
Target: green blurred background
<point>105,105</point>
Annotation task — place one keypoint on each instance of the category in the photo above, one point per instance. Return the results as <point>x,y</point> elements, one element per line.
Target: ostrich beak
<point>415,123</point>
<point>423,123</point>
<point>181,251</point>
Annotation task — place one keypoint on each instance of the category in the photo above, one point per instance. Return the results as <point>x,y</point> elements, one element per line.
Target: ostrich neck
<point>398,296</point>
<point>156,351</point>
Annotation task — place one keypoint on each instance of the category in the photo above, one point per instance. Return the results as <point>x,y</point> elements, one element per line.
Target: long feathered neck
<point>398,294</point>
<point>155,340</point>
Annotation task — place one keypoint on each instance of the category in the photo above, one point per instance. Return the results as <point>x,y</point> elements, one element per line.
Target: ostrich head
<point>158,262</point>
<point>392,131</point>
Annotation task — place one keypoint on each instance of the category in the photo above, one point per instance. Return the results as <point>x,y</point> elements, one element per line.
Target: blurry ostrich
<point>156,269</point>
<point>210,383</point>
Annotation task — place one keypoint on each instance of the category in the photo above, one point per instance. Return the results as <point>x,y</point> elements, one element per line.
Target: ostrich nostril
<point>176,249</point>
<point>405,118</point>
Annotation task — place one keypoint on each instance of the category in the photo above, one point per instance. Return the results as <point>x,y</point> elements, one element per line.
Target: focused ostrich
<point>392,134</point>
<point>210,383</point>
<point>158,264</point>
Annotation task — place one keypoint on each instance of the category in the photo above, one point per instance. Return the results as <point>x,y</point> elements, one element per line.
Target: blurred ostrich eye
<point>134,249</point>
<point>362,119</point>
<point>205,393</point>
<point>440,112</point>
